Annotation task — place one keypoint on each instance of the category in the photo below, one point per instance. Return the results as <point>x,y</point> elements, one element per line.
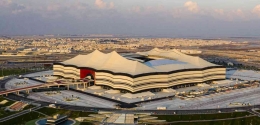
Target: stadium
<point>135,72</point>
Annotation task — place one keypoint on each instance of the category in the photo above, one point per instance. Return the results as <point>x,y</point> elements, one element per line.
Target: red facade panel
<point>86,72</point>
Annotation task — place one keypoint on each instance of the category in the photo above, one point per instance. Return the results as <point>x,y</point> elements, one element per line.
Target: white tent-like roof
<point>174,60</point>
<point>110,61</point>
<point>178,56</point>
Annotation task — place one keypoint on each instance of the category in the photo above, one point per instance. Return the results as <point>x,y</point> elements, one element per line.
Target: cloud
<point>231,15</point>
<point>10,7</point>
<point>177,13</point>
<point>111,5</point>
<point>135,9</point>
<point>149,10</point>
<point>53,7</point>
<point>17,8</point>
<point>103,5</point>
<point>100,4</point>
<point>239,13</point>
<point>192,6</point>
<point>219,11</point>
<point>79,5</point>
<point>5,3</point>
<point>256,10</point>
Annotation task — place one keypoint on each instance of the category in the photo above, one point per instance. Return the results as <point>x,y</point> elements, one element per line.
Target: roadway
<point>196,121</point>
<point>157,112</point>
<point>84,108</point>
<point>36,86</point>
<point>3,82</point>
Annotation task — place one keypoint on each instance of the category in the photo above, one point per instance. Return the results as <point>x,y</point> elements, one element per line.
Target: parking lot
<point>218,100</point>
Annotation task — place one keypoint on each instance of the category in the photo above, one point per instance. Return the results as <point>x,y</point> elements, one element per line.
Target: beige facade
<point>118,72</point>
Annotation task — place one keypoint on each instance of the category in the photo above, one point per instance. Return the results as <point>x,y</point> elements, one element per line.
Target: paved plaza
<point>84,100</point>
<point>118,96</point>
<point>43,73</point>
<point>248,75</point>
<point>219,100</point>
<point>20,83</point>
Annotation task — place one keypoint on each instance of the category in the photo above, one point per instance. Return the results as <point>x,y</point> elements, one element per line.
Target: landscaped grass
<point>86,123</point>
<point>10,102</point>
<point>16,71</point>
<point>170,118</point>
<point>71,114</point>
<point>21,120</point>
<point>4,113</point>
<point>32,122</point>
<point>28,107</point>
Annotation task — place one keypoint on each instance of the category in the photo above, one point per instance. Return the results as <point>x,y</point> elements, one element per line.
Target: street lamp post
<point>2,71</point>
<point>2,67</point>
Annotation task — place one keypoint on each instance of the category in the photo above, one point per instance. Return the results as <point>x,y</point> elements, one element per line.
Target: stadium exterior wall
<point>145,81</point>
<point>86,72</point>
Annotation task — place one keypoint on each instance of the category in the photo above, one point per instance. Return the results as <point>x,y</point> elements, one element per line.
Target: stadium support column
<point>68,87</point>
<point>84,84</point>
<point>77,86</point>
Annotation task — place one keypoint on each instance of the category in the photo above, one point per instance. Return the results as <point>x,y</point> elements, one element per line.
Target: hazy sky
<point>177,18</point>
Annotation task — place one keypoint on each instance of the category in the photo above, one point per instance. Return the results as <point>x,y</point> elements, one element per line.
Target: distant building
<point>56,119</point>
<point>230,64</point>
<point>60,50</point>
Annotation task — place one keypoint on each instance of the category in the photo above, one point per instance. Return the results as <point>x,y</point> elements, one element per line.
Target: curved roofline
<point>177,55</point>
<point>116,64</point>
<point>109,61</point>
<point>143,74</point>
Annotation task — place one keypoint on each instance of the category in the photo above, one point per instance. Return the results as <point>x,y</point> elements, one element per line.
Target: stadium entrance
<point>90,77</point>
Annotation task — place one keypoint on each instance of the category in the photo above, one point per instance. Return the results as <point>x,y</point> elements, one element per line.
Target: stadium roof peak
<point>113,62</point>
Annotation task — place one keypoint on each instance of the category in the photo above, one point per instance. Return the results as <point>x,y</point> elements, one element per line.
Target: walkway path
<point>253,111</point>
<point>19,114</point>
<point>40,113</point>
<point>194,121</point>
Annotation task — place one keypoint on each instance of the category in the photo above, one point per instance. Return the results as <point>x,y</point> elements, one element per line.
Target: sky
<point>171,18</point>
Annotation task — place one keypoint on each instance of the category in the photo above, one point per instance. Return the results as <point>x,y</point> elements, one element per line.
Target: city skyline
<point>148,17</point>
